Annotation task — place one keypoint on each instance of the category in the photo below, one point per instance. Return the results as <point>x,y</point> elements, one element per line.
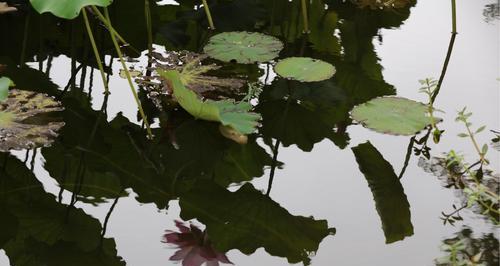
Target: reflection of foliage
<point>491,12</point>
<point>382,4</point>
<point>465,250</point>
<point>44,232</point>
<point>247,219</point>
<point>391,202</point>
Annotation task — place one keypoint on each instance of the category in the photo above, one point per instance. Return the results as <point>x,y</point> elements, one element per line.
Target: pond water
<point>335,197</point>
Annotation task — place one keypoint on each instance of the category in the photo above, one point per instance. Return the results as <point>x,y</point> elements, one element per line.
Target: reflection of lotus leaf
<point>304,69</point>
<point>243,47</point>
<point>65,8</point>
<point>15,131</point>
<point>392,115</point>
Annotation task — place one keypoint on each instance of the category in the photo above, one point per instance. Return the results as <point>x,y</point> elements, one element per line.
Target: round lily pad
<point>393,115</point>
<point>19,128</point>
<point>68,9</point>
<point>304,69</point>
<point>243,47</point>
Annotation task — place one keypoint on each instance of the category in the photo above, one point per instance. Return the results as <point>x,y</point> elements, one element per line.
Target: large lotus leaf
<point>247,220</point>
<point>304,69</point>
<point>390,200</point>
<point>393,115</point>
<point>243,47</point>
<point>227,112</point>
<point>15,131</point>
<point>8,225</point>
<point>68,9</point>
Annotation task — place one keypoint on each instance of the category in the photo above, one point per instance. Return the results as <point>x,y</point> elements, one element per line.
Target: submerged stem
<point>304,16</point>
<point>209,15</point>
<point>127,73</point>
<point>96,51</point>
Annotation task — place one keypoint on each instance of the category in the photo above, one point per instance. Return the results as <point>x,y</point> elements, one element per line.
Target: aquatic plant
<point>5,83</point>
<point>304,69</point>
<point>429,87</point>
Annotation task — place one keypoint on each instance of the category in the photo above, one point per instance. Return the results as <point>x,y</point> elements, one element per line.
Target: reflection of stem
<point>304,16</point>
<point>25,38</point>
<point>96,51</point>
<point>407,157</point>
<point>147,12</point>
<point>106,220</point>
<point>129,78</point>
<point>209,15</point>
<point>450,49</point>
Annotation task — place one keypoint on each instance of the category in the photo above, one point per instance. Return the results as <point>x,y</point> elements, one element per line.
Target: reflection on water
<point>100,159</point>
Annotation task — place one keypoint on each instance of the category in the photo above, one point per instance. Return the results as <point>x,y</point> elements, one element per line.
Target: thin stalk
<point>129,78</point>
<point>450,49</point>
<point>96,51</point>
<point>474,142</point>
<point>147,12</point>
<point>304,16</point>
<point>110,28</point>
<point>209,15</point>
<point>407,157</point>
<point>25,39</point>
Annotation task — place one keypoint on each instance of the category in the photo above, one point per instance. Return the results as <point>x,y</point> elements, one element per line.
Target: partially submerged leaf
<point>393,115</point>
<point>388,193</point>
<point>304,69</point>
<point>68,9</point>
<point>243,47</point>
<point>18,133</point>
<point>227,112</point>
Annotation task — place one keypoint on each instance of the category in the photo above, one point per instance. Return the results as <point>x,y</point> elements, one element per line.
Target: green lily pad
<point>68,9</point>
<point>393,115</point>
<point>16,131</point>
<point>243,47</point>
<point>227,112</point>
<point>304,69</point>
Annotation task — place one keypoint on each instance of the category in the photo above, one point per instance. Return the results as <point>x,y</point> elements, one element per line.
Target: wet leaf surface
<point>68,9</point>
<point>393,115</point>
<point>16,132</point>
<point>304,69</point>
<point>243,47</point>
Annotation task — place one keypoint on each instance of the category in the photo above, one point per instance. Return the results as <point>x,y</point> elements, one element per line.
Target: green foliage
<point>390,200</point>
<point>304,69</point>
<point>393,115</point>
<point>227,112</point>
<point>247,220</point>
<point>5,83</point>
<point>243,47</point>
<point>67,9</point>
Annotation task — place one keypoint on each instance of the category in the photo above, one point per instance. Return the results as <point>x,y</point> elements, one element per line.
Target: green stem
<point>127,73</point>
<point>209,15</point>
<point>111,29</point>
<point>304,16</point>
<point>96,51</point>
<point>450,49</point>
<point>147,12</point>
<point>474,142</point>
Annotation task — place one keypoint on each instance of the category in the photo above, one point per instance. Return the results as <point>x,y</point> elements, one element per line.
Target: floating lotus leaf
<point>227,112</point>
<point>304,69</point>
<point>15,131</point>
<point>243,47</point>
<point>68,9</point>
<point>393,115</point>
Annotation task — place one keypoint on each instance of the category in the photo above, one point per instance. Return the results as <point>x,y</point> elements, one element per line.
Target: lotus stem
<point>147,12</point>
<point>450,49</point>
<point>209,15</point>
<point>101,17</point>
<point>127,73</point>
<point>96,51</point>
<point>304,16</point>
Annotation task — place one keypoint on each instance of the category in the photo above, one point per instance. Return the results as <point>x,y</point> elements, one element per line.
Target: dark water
<point>321,151</point>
